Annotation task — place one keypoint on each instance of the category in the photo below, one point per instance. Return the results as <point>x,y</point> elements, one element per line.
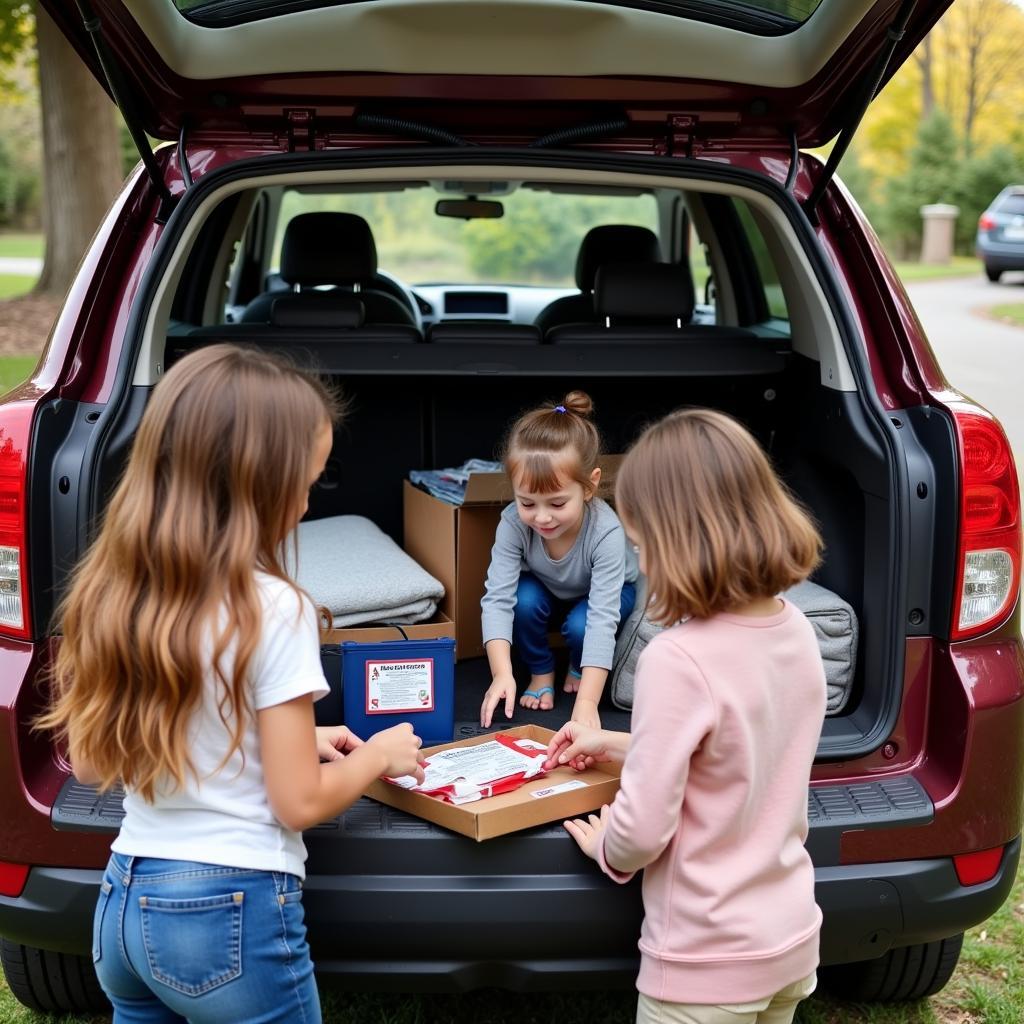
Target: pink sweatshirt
<point>713,804</point>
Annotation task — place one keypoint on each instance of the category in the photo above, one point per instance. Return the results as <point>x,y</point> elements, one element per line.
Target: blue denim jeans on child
<point>537,610</point>
<point>177,941</point>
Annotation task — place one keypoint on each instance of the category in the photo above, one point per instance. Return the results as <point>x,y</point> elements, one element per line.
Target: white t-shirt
<point>225,817</point>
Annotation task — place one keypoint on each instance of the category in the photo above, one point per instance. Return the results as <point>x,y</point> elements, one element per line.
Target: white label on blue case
<point>403,686</point>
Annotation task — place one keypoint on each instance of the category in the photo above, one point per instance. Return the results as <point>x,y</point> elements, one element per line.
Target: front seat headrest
<point>327,248</point>
<point>317,309</point>
<point>619,243</point>
<point>636,292</point>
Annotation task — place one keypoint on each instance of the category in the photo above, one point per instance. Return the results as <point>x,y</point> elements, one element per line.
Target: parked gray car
<point>1000,242</point>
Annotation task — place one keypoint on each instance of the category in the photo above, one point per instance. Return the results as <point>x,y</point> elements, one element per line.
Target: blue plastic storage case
<point>384,684</point>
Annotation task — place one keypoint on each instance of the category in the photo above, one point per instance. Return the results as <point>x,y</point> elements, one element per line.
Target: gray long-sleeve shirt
<point>596,566</point>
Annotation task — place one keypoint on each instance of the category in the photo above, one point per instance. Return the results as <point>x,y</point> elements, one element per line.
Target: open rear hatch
<point>650,75</point>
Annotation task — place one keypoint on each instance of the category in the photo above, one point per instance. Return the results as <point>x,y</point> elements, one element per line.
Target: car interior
<point>706,298</point>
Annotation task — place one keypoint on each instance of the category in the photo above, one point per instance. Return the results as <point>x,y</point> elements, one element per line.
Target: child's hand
<point>585,712</point>
<point>333,742</point>
<point>502,688</point>
<point>576,745</point>
<point>400,748</point>
<point>588,833</point>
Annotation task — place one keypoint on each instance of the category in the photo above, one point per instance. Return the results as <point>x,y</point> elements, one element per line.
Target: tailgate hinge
<point>301,136</point>
<point>679,136</point>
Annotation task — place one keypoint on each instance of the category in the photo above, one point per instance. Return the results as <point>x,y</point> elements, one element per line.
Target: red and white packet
<point>460,775</point>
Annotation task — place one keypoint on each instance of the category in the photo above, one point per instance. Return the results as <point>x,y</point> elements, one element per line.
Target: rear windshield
<point>763,17</point>
<point>1012,204</point>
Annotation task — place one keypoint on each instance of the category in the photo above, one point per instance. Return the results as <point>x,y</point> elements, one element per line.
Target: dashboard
<point>517,304</point>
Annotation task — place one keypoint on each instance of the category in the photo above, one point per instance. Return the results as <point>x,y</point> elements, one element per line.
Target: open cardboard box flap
<point>510,812</point>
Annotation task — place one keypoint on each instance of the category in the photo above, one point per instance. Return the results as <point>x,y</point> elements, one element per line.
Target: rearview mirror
<point>469,209</point>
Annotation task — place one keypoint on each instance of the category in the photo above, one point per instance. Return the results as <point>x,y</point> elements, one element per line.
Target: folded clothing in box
<point>349,566</point>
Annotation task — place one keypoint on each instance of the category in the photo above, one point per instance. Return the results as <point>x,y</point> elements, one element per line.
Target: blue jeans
<point>537,608</point>
<point>177,941</point>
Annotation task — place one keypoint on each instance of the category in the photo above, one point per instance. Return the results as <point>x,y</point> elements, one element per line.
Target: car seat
<point>333,249</point>
<point>619,243</point>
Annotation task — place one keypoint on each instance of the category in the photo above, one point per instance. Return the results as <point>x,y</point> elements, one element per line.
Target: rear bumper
<point>535,932</point>
<point>1001,255</point>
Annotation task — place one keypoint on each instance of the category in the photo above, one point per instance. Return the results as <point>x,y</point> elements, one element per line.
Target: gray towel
<point>835,627</point>
<point>355,570</point>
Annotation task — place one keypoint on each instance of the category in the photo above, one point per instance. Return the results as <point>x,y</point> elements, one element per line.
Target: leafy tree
<point>863,183</point>
<point>928,179</point>
<point>81,165</point>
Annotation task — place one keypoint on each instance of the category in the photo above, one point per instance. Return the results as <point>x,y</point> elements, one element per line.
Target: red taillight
<point>989,555</point>
<point>986,223</point>
<point>15,429</point>
<point>12,878</point>
<point>975,868</point>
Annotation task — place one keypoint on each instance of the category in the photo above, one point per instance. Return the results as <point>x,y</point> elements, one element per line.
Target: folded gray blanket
<point>359,574</point>
<point>835,628</point>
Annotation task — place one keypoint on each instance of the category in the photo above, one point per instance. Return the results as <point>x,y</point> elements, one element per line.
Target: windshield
<point>535,242</point>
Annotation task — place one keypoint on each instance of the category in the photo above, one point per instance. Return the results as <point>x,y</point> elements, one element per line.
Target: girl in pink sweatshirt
<point>729,703</point>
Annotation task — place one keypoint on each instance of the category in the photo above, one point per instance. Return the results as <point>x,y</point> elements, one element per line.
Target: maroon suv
<point>763,293</point>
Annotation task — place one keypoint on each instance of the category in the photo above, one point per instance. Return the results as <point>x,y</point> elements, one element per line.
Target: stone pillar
<point>937,239</point>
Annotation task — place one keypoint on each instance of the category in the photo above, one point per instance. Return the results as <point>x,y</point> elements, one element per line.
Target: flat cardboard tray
<point>515,811</point>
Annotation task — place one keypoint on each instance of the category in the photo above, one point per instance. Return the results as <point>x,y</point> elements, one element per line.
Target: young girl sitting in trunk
<point>188,670</point>
<point>560,557</point>
<point>727,712</point>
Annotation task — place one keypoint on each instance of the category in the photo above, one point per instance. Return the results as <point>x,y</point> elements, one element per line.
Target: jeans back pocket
<point>97,920</point>
<point>193,945</point>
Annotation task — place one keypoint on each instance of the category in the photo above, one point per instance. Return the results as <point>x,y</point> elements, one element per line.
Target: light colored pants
<point>776,1009</point>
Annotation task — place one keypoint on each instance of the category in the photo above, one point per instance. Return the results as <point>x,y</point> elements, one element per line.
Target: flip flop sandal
<point>540,693</point>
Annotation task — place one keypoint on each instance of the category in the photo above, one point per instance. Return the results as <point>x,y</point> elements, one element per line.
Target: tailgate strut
<point>893,36</point>
<point>121,96</point>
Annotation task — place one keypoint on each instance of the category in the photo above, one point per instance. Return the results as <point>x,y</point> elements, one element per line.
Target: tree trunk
<point>924,62</point>
<point>81,155</point>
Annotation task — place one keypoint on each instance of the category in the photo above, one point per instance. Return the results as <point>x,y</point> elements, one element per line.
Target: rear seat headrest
<point>327,248</point>
<point>619,243</point>
<point>317,309</point>
<point>653,291</point>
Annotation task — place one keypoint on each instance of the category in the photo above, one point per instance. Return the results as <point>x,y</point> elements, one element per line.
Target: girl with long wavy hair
<point>187,671</point>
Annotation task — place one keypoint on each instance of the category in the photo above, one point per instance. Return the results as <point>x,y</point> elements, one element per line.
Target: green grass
<point>959,266</point>
<point>13,285</point>
<point>1011,313</point>
<point>21,244</point>
<point>15,369</point>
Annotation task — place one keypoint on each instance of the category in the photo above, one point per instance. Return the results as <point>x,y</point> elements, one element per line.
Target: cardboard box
<point>510,812</point>
<point>436,626</point>
<point>453,543</point>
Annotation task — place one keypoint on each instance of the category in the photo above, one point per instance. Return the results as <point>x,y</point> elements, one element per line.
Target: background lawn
<point>21,244</point>
<point>14,369</point>
<point>13,285</point>
<point>959,266</point>
<point>1011,313</point>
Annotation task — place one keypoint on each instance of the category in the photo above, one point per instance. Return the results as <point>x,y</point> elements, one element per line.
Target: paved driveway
<point>981,358</point>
